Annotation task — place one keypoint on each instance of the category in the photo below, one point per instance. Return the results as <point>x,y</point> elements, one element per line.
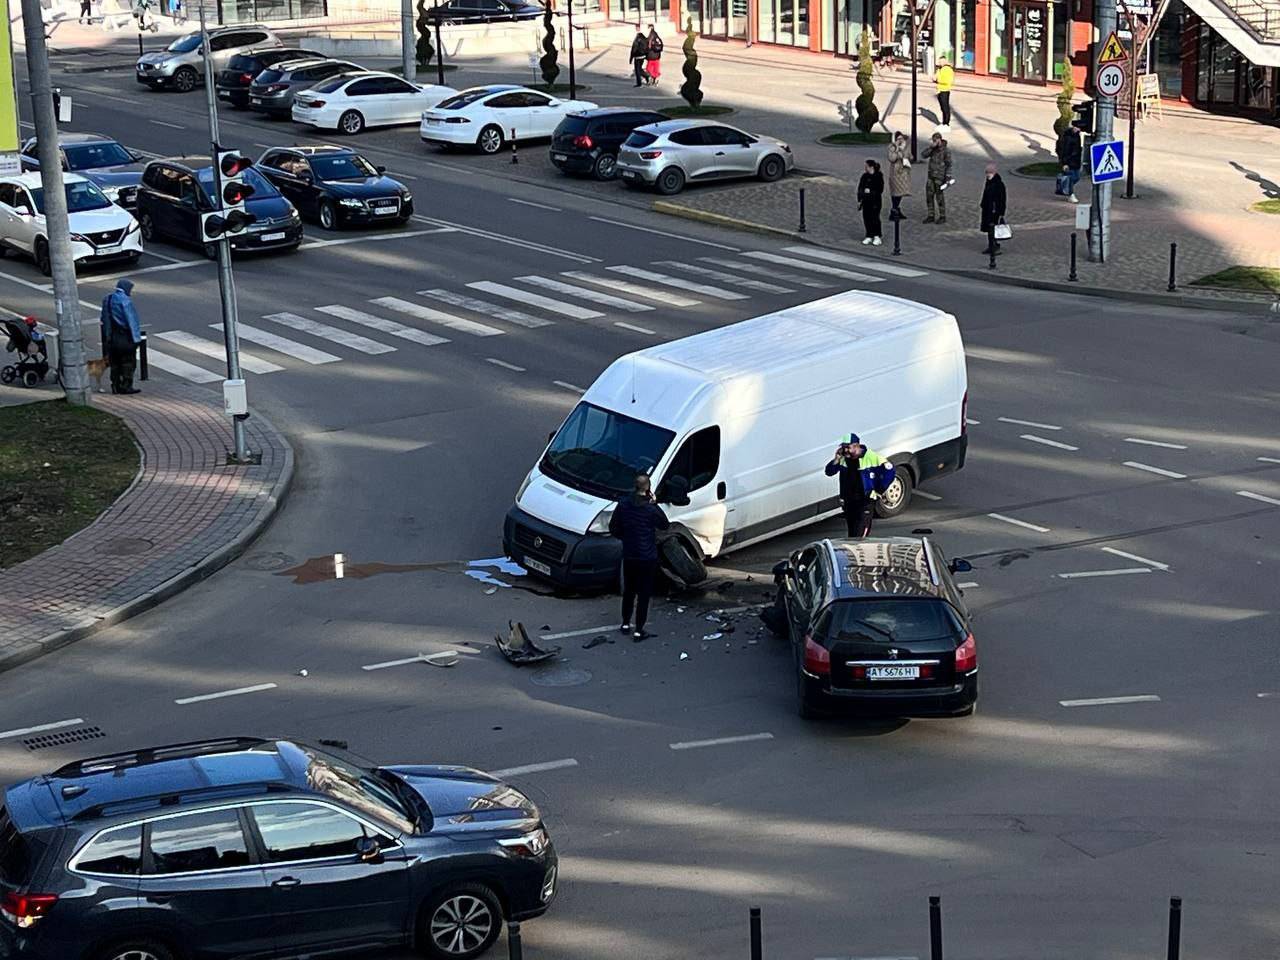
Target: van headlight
<point>528,479</point>
<point>601,523</point>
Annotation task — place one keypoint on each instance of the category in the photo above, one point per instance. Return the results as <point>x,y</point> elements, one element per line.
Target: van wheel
<point>136,950</point>
<point>184,81</point>
<point>459,923</point>
<point>680,562</point>
<point>897,497</point>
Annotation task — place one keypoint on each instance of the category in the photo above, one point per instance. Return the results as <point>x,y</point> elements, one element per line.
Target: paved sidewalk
<point>186,514</point>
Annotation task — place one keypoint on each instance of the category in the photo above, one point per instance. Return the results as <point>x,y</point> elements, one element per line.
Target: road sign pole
<point>1133,112</point>
<point>1104,12</point>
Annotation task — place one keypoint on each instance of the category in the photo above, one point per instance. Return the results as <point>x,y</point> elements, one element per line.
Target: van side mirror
<point>368,851</point>
<point>960,565</point>
<point>675,491</point>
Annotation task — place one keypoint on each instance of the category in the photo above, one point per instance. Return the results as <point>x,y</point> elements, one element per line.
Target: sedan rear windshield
<point>101,153</point>
<point>464,99</point>
<point>333,83</point>
<point>890,620</point>
<point>641,138</point>
<point>599,451</point>
<point>244,62</point>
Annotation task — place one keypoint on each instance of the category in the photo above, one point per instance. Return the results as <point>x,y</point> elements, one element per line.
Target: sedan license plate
<point>268,237</point>
<point>384,211</point>
<point>537,567</point>
<point>225,93</point>
<point>893,672</point>
<point>255,99</point>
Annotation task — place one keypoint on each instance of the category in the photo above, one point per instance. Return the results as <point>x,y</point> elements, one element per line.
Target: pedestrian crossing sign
<point>1112,51</point>
<point>1107,160</point>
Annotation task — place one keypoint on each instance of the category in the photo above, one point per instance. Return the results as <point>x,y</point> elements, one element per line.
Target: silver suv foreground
<point>181,64</point>
<point>670,154</point>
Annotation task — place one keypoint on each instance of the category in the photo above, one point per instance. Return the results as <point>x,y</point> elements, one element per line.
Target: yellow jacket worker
<point>944,78</point>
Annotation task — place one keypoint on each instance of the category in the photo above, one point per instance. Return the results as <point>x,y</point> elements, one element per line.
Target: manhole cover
<point>269,561</point>
<point>559,675</point>
<point>125,547</point>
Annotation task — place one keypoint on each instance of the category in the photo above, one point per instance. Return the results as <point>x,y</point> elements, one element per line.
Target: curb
<point>210,565</point>
<point>92,68</point>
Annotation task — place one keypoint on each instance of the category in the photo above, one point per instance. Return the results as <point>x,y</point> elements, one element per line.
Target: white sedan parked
<point>487,116</point>
<point>100,230</point>
<point>350,102</point>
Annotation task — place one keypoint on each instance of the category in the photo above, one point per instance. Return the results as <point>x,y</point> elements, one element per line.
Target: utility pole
<point>408,45</point>
<point>573,73</point>
<point>439,45</point>
<point>1104,14</point>
<point>66,297</point>
<point>226,282</point>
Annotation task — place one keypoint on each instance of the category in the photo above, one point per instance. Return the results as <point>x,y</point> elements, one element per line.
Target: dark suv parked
<point>588,142</point>
<point>233,83</point>
<point>272,90</point>
<point>244,847</point>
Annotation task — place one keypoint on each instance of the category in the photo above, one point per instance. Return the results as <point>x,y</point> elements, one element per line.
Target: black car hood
<point>367,189</point>
<point>465,800</point>
<point>125,175</point>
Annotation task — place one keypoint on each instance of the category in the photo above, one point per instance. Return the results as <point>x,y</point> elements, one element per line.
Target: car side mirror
<point>780,570</point>
<point>380,169</point>
<point>368,851</point>
<point>960,565</point>
<point>137,157</point>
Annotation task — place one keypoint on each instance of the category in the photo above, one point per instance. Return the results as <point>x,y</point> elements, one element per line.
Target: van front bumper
<point>582,561</point>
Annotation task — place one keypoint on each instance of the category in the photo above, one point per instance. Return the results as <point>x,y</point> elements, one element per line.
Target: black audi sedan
<point>336,186</point>
<point>232,84</point>
<point>588,142</point>
<point>877,626</point>
<point>115,169</point>
<point>247,847</point>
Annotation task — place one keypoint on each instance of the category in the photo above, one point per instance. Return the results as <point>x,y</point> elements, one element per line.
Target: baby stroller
<point>32,365</point>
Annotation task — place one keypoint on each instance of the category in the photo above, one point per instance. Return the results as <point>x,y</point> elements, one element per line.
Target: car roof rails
<point>174,751</point>
<point>173,798</point>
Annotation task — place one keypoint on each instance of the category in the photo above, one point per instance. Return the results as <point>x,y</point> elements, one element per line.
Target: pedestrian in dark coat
<point>870,200</point>
<point>1070,153</point>
<point>121,334</point>
<point>636,521</point>
<point>993,207</point>
<point>653,56</point>
<point>639,51</point>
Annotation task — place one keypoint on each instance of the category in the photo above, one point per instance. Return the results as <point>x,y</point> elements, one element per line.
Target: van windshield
<point>600,452</point>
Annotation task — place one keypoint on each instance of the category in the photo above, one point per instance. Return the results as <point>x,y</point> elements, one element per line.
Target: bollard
<point>515,950</point>
<point>897,245</point>
<point>1175,927</point>
<point>757,939</point>
<point>1173,267</point>
<point>1073,276</point>
<point>935,928</point>
<point>991,247</point>
<point>139,41</point>
<point>514,158</point>
<point>803,228</point>
<point>142,356</point>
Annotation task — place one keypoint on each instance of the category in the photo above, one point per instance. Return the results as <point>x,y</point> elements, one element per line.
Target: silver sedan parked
<point>669,154</point>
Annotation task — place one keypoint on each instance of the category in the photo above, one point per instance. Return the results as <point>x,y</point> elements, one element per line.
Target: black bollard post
<point>139,41</point>
<point>757,936</point>
<point>1175,927</point>
<point>514,159</point>
<point>991,247</point>
<point>1173,267</point>
<point>1073,276</point>
<point>142,356</point>
<point>897,239</point>
<point>515,950</point>
<point>803,228</point>
<point>935,928</point>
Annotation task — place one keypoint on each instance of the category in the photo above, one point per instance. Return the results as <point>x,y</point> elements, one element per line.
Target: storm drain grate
<point>63,737</point>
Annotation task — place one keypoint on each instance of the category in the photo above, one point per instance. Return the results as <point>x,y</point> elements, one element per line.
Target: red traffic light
<point>236,193</point>
<point>233,164</point>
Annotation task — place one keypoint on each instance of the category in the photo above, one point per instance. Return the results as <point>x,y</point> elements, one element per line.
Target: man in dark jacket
<point>939,178</point>
<point>1070,153</point>
<point>121,335</point>
<point>636,521</point>
<point>993,207</point>
<point>864,477</point>
<point>639,54</point>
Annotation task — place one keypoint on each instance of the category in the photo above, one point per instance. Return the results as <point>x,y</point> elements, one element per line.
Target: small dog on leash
<point>96,367</point>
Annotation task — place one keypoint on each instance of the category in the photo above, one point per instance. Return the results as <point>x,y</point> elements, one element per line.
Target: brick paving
<point>185,514</point>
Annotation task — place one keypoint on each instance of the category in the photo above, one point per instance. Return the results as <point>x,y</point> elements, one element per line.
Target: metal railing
<point>1260,16</point>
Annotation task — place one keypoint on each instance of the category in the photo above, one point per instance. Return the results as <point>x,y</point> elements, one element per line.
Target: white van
<point>736,424</point>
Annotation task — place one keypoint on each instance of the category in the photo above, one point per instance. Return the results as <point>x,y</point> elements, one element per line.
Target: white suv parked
<point>181,65</point>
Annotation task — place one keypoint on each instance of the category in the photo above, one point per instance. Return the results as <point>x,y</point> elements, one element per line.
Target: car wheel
<point>43,263</point>
<point>895,500</point>
<point>606,167</point>
<point>135,950</point>
<point>351,123</point>
<point>680,562</point>
<point>184,81</point>
<point>328,215</point>
<point>670,180</point>
<point>148,227</point>
<point>460,923</point>
<point>772,168</point>
<point>490,140</point>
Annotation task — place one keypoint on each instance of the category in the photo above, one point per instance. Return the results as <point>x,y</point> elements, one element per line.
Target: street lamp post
<point>435,7</point>
<point>573,74</point>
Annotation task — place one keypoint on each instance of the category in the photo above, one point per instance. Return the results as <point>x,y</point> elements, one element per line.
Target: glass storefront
<point>1028,41</point>
<point>1224,78</point>
<point>784,21</point>
<point>1166,49</point>
<point>966,33</point>
<point>259,11</point>
<point>997,39</point>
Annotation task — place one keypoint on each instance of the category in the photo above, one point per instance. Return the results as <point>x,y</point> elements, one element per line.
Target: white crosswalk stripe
<point>447,320</point>
<point>864,263</point>
<point>774,273</point>
<point>218,351</point>
<point>292,348</point>
<point>582,293</point>
<point>722,276</point>
<point>822,268</point>
<point>570,310</point>
<point>381,323</point>
<point>488,309</point>
<point>668,298</point>
<point>180,368</point>
<point>333,334</point>
<point>705,289</point>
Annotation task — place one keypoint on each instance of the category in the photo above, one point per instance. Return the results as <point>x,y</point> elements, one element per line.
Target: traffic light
<point>1084,115</point>
<point>233,191</point>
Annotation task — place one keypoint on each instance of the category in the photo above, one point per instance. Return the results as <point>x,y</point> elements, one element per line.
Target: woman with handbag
<point>870,200</point>
<point>653,56</point>
<point>899,173</point>
<point>994,200</point>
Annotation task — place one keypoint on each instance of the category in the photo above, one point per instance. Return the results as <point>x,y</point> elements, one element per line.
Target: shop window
<point>968,30</point>
<point>998,39</point>
<point>1166,49</point>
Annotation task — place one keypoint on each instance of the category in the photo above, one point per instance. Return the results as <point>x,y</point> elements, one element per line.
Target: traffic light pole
<point>1104,12</point>
<point>226,282</point>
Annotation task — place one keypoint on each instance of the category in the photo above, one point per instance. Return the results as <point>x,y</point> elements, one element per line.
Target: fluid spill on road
<point>477,570</point>
<point>336,566</point>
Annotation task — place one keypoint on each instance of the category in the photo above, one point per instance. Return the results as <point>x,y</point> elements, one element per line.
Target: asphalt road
<point>1050,823</point>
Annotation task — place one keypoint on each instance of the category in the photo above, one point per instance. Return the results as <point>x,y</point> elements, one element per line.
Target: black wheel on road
<point>680,562</point>
<point>351,123</point>
<point>459,922</point>
<point>670,180</point>
<point>185,80</point>
<point>606,167</point>
<point>491,139</point>
<point>897,497</point>
<point>328,215</point>
<point>43,263</point>
<point>135,950</point>
<point>148,227</point>
<point>772,168</point>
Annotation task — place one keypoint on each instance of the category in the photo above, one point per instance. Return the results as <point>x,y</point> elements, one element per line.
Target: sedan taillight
<point>650,154</point>
<point>276,88</point>
<point>967,655</point>
<point>817,658</point>
<point>584,142</point>
<point>313,103</point>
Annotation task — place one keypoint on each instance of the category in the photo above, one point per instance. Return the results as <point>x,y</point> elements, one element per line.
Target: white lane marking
<point>1156,443</point>
<point>719,741</point>
<point>292,348</point>
<point>534,768</point>
<point>1104,701</point>
<point>1134,557</point>
<point>822,268</point>
<point>180,368</point>
<point>569,386</point>
<point>171,126</point>
<point>927,495</point>
<point>535,300</point>
<point>257,687</point>
<point>582,293</point>
<point>578,633</point>
<point>48,287</point>
<point>333,334</point>
<point>40,728</point>
<point>1257,496</point>
<point>722,276</point>
<point>1266,695</point>
<point>764,271</point>
<point>1084,574</point>
<point>967,585</point>
<point>1018,523</point>
<point>667,280</point>
<point>382,324</point>
<point>668,299</point>
<point>488,309</point>
<point>1048,443</point>
<point>398,175</point>
<point>1028,423</point>
<point>861,262</point>
<point>1156,470</point>
<point>972,423</point>
<point>447,320</point>
<point>530,203</point>
<point>94,92</point>
<point>513,241</point>
<point>373,238</point>
<point>392,663</point>
<point>664,233</point>
<point>632,327</point>
<point>502,363</point>
<point>164,256</point>
<point>1268,460</point>
<point>217,351</point>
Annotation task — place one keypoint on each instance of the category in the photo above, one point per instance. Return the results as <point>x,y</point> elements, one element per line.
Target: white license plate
<point>268,237</point>
<point>559,156</point>
<point>537,567</point>
<point>255,99</point>
<point>114,248</point>
<point>893,673</point>
<point>434,120</point>
<point>383,211</point>
<point>225,93</point>
<point>628,174</point>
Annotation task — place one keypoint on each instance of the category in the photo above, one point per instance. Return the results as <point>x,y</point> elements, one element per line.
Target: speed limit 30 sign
<point>1110,79</point>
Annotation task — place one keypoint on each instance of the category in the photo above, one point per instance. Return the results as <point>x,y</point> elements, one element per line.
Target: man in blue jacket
<point>864,477</point>
<point>636,521</point>
<point>121,334</point>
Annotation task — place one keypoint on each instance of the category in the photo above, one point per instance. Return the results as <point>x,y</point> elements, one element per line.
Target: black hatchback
<point>877,626</point>
<point>233,83</point>
<point>588,142</point>
<point>251,848</point>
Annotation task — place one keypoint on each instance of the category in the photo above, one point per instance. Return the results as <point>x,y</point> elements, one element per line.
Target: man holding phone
<point>864,477</point>
<point>636,521</point>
